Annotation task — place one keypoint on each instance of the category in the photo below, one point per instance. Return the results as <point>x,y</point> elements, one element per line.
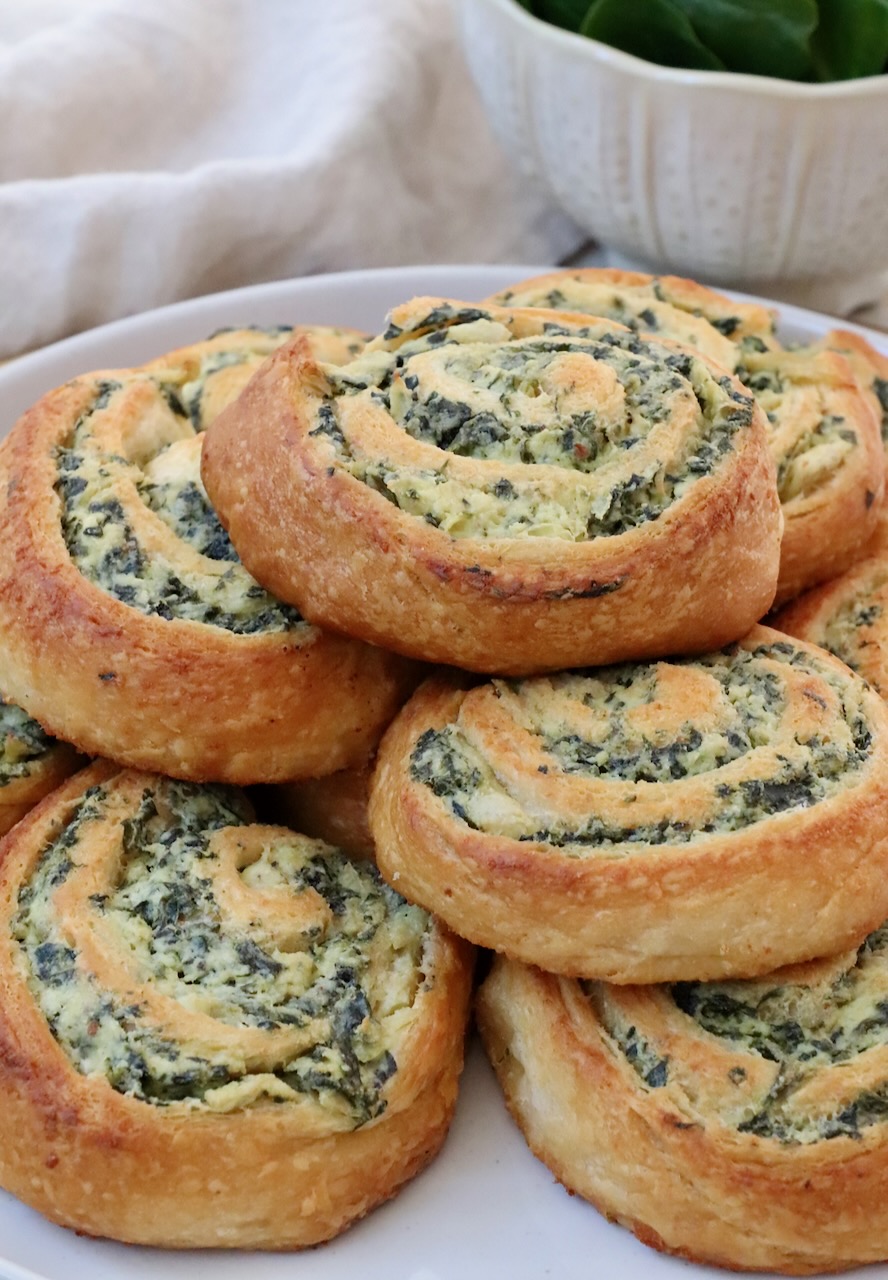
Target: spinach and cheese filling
<point>806,1030</point>
<point>135,516</point>
<point>224,370</point>
<point>655,753</point>
<point>222,373</point>
<point>650,1066</point>
<point>809,442</point>
<point>712,324</point>
<point>879,388</point>
<point>854,631</point>
<point>218,963</point>
<point>575,433</point>
<point>23,743</point>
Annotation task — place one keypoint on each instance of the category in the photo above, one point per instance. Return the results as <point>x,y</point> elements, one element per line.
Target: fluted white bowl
<point>734,178</point>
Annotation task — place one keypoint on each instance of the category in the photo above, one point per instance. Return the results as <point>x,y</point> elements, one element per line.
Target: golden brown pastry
<point>849,615</point>
<point>332,808</point>
<point>670,306</point>
<point>826,441</point>
<point>503,490</point>
<point>822,408</point>
<point>739,1123</point>
<point>870,367</point>
<point>217,370</point>
<point>698,818</point>
<point>31,764</point>
<point>213,1033</point>
<point>130,626</point>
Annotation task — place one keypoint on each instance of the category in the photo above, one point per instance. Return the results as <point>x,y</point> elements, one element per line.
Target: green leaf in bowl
<point>568,14</point>
<point>851,40</point>
<point>656,30</point>
<point>758,37</point>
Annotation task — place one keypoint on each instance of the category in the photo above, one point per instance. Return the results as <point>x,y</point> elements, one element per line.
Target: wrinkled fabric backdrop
<point>152,150</point>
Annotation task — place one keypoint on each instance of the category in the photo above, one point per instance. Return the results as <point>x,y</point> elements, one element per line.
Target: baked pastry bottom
<point>637,1108</point>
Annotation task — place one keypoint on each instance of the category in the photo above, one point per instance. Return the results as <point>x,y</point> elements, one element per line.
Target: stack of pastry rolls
<point>666,819</point>
<point>575,502</point>
<point>216,1031</point>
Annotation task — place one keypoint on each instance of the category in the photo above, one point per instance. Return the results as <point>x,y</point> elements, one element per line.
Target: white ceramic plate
<point>486,1208</point>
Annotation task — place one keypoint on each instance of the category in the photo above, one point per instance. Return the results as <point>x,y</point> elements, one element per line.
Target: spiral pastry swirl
<point>31,764</point>
<point>821,402</point>
<point>668,306</point>
<point>689,1112</point>
<point>521,483</point>
<point>713,816</point>
<point>849,616</point>
<point>132,628</point>
<point>870,367</point>
<point>231,1004</point>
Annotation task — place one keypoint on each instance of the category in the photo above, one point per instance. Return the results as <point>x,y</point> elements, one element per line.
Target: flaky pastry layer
<point>692,818</point>
<point>821,407</point>
<point>504,490</point>
<point>213,1033</point>
<point>130,626</point>
<point>741,1124</point>
<point>31,764</point>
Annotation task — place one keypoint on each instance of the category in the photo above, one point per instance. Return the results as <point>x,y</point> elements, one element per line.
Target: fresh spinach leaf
<point>568,14</point>
<point>851,40</point>
<point>787,39</point>
<point>656,30</point>
<point>759,37</point>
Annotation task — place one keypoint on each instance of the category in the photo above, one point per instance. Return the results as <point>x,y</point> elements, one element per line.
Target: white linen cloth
<point>152,150</point>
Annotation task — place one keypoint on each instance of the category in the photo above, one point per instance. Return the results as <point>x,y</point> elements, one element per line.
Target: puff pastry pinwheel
<point>670,306</point>
<point>31,764</point>
<point>824,428</point>
<point>849,615</point>
<point>735,1123</point>
<point>213,1032</point>
<point>699,818</point>
<point>130,627</point>
<point>217,370</point>
<point>503,490</point>
<point>870,366</point>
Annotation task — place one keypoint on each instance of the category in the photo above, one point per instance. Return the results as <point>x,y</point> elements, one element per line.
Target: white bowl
<point>737,179</point>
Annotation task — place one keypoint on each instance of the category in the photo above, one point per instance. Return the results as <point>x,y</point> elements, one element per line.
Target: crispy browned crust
<point>332,808</point>
<point>661,1161</point>
<point>183,698</point>
<point>269,1176</point>
<point>354,562</point>
<point>863,587</point>
<point>826,528</point>
<point>870,366</point>
<point>797,884</point>
<point>44,774</point>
